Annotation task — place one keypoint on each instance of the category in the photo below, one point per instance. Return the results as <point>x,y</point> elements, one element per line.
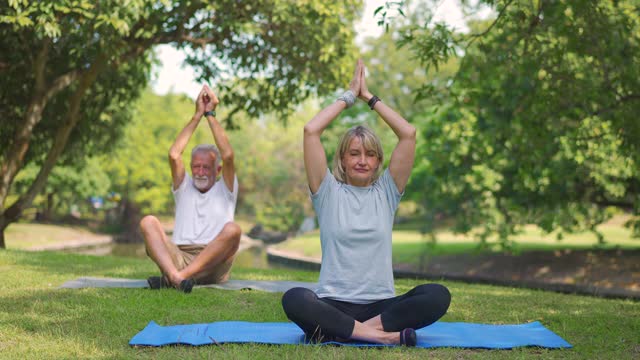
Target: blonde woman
<point>355,204</point>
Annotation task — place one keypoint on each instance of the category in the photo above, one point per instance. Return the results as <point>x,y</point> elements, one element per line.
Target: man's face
<point>203,170</point>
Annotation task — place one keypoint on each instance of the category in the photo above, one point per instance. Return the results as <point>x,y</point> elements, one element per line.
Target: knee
<point>295,300</point>
<point>438,294</point>
<point>233,232</point>
<point>148,222</point>
<point>149,226</point>
<point>291,297</point>
<point>230,234</point>
<point>443,296</point>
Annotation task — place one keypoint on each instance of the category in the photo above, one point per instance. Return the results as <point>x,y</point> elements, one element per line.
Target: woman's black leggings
<point>324,319</point>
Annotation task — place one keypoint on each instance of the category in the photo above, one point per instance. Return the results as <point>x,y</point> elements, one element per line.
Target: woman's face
<point>359,164</point>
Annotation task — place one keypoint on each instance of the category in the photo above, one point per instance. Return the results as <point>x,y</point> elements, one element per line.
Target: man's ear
<point>219,169</point>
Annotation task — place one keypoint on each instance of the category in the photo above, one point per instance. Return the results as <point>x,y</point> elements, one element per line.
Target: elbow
<point>411,132</point>
<point>307,130</point>
<point>227,156</point>
<point>310,131</point>
<point>174,155</point>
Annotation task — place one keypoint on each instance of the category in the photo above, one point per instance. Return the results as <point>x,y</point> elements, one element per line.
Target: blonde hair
<point>369,140</point>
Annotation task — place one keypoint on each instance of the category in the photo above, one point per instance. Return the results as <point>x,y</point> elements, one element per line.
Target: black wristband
<point>210,113</point>
<point>372,102</point>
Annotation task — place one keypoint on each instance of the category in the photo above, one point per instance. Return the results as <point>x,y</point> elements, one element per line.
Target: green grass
<point>409,244</point>
<point>39,321</point>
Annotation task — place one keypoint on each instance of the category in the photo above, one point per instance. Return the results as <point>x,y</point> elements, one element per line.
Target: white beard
<point>201,183</point>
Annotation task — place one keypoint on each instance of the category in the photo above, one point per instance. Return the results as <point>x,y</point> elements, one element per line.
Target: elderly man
<point>205,238</point>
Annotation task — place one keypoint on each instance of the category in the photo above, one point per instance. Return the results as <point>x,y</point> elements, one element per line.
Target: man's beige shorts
<point>183,255</point>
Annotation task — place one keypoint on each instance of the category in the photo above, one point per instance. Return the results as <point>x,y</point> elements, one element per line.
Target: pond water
<point>253,257</point>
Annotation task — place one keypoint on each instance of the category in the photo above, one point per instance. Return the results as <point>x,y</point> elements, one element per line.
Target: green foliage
<point>67,185</point>
<point>282,215</point>
<point>139,166</point>
<point>395,75</point>
<point>275,53</point>
<point>539,125</point>
<point>260,58</point>
<point>267,157</point>
<point>384,17</point>
<point>271,170</point>
<point>104,110</point>
<point>70,70</point>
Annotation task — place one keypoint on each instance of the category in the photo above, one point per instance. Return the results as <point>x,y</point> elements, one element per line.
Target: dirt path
<point>607,273</point>
<point>85,240</point>
<point>615,271</point>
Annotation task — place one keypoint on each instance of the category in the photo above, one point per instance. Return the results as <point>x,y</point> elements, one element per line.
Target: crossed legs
<point>218,254</point>
<point>379,322</point>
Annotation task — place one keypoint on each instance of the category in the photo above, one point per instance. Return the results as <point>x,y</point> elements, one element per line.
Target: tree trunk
<point>13,213</point>
<point>12,157</point>
<point>48,211</point>
<point>2,228</point>
<point>11,160</point>
<point>129,220</point>
<point>130,217</point>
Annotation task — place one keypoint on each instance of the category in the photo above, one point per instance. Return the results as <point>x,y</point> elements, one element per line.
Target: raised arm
<point>315,159</point>
<point>176,150</point>
<point>403,155</point>
<point>220,137</point>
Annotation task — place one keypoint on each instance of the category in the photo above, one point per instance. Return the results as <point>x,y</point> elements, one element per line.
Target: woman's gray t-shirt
<point>355,233</point>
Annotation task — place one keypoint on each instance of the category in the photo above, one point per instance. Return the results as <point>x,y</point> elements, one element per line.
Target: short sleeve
<point>325,187</point>
<point>390,189</point>
<point>230,194</point>
<point>185,181</point>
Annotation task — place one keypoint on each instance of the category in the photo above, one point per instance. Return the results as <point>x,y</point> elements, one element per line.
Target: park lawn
<point>409,245</point>
<point>39,321</point>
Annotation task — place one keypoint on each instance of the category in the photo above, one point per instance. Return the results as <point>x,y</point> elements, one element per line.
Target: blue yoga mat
<point>439,334</point>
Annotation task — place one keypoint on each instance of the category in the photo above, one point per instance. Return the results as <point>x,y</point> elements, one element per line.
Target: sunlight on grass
<point>26,235</point>
<point>409,244</point>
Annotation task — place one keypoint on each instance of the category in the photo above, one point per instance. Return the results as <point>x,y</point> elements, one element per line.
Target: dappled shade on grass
<point>45,322</point>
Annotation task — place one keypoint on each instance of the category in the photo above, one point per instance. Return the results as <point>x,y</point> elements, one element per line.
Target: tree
<point>67,186</point>
<point>539,125</point>
<point>139,167</point>
<point>270,171</point>
<point>70,69</point>
<point>270,166</point>
<point>395,74</point>
<point>395,70</point>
